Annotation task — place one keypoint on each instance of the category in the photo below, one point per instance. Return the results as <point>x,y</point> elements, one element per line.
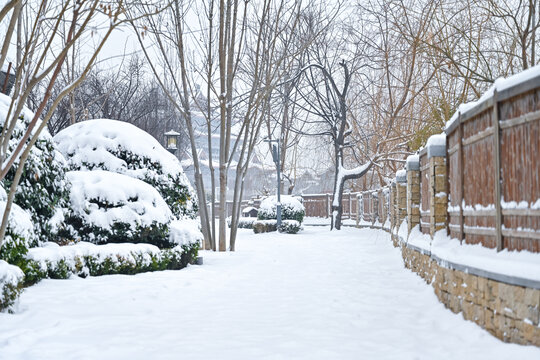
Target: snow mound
<point>185,232</point>
<point>94,144</point>
<point>121,197</point>
<point>111,207</point>
<point>53,253</point>
<point>123,148</point>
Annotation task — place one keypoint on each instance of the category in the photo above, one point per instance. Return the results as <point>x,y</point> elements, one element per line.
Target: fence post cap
<point>413,162</point>
<point>401,176</point>
<point>436,145</point>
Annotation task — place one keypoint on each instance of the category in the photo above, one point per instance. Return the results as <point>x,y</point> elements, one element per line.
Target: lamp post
<point>171,140</point>
<point>275,156</point>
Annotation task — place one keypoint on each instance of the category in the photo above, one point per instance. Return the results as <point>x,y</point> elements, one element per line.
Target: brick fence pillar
<point>401,191</point>
<point>413,191</point>
<point>436,151</point>
<point>392,210</point>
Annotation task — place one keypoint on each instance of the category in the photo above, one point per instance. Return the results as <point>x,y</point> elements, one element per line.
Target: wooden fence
<point>320,205</point>
<point>493,152</point>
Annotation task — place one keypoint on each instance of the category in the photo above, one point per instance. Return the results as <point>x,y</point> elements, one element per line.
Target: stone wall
<point>509,312</point>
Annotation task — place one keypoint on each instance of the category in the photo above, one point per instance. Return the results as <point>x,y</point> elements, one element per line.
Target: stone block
<point>467,308</point>
<point>440,170</point>
<point>440,184</point>
<point>437,160</point>
<point>489,320</point>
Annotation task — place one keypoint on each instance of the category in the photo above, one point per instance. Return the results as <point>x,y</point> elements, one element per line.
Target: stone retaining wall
<point>509,312</point>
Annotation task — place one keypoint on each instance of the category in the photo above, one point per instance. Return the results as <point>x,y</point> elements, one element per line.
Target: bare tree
<point>42,61</point>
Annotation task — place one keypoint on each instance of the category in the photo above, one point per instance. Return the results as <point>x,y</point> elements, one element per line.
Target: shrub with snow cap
<point>42,190</point>
<point>11,278</point>
<point>19,235</point>
<point>123,148</point>
<point>291,209</point>
<point>107,207</point>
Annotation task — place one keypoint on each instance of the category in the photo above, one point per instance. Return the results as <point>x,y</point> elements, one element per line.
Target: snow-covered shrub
<point>107,207</point>
<point>291,209</point>
<point>11,278</point>
<point>185,232</point>
<point>42,190</point>
<point>84,259</point>
<point>125,149</point>
<point>262,226</point>
<point>19,236</point>
<point>290,227</point>
<point>243,222</point>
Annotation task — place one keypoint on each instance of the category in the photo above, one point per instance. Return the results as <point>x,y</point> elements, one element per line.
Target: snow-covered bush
<point>290,227</point>
<point>19,235</point>
<point>243,222</point>
<point>11,278</point>
<point>125,149</point>
<point>107,207</point>
<point>84,259</point>
<point>262,226</point>
<point>291,209</point>
<point>42,190</point>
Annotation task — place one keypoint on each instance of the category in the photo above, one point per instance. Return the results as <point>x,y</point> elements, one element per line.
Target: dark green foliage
<point>264,226</point>
<point>172,188</point>
<point>9,293</point>
<point>290,227</point>
<point>120,232</point>
<point>42,189</point>
<point>288,212</point>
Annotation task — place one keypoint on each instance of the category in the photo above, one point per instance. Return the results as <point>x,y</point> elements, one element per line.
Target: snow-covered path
<point>316,295</point>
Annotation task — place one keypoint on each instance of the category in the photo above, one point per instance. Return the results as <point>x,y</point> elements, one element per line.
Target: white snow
<point>269,205</point>
<point>135,202</point>
<point>413,158</point>
<point>53,253</point>
<point>522,264</point>
<point>278,297</point>
<point>185,231</point>
<point>9,274</point>
<point>91,142</point>
<point>500,84</point>
<point>19,221</point>
<point>436,140</point>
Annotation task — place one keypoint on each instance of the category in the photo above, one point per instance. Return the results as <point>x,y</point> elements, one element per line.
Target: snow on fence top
<point>94,142</point>
<point>500,85</point>
<point>413,162</point>
<point>436,145</point>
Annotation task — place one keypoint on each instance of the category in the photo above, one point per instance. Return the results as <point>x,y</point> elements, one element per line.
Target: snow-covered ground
<point>314,295</point>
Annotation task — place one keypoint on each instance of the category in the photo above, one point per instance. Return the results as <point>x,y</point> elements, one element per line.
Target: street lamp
<point>171,139</point>
<point>276,157</point>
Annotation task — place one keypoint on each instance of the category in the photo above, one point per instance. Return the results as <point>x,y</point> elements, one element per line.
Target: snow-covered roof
<point>248,209</point>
